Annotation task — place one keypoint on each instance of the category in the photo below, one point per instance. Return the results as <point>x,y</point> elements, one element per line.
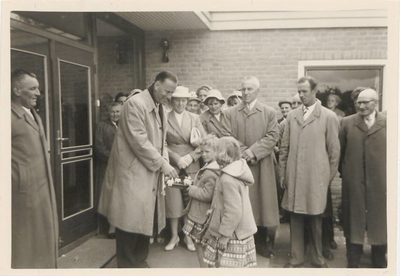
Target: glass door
<point>74,96</point>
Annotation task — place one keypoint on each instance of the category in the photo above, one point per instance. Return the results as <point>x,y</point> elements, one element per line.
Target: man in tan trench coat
<point>363,170</point>
<point>308,160</point>
<point>255,126</point>
<point>34,209</point>
<point>131,196</point>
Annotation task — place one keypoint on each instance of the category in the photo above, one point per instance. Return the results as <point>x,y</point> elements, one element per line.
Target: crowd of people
<point>249,172</point>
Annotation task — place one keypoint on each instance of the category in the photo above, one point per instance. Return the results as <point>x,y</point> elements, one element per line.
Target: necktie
<point>305,109</point>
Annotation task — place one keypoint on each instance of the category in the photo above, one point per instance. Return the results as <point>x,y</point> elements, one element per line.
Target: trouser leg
<point>378,258</point>
<point>297,238</point>
<point>315,240</point>
<point>132,249</point>
<point>353,253</point>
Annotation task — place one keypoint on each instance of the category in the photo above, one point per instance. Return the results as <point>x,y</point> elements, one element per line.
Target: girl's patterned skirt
<point>238,253</point>
<point>194,230</point>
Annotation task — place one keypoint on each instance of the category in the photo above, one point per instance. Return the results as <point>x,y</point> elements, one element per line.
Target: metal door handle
<point>60,140</point>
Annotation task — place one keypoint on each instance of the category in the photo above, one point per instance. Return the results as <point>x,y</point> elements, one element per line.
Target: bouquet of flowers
<point>182,183</point>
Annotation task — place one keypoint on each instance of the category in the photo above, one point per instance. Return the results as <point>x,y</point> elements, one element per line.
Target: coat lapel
<point>315,114</point>
<point>22,114</point>
<point>215,122</point>
<point>379,123</point>
<point>186,124</point>
<point>174,123</point>
<point>359,122</point>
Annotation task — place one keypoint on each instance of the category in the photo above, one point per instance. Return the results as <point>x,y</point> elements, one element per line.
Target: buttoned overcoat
<point>363,171</point>
<point>308,158</point>
<point>34,209</point>
<point>257,130</point>
<point>132,184</point>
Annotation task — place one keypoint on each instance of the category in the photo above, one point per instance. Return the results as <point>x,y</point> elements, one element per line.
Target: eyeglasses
<point>364,102</point>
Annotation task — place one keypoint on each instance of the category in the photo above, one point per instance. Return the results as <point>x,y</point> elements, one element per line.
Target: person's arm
<point>284,152</point>
<point>265,146</point>
<point>233,210</point>
<point>133,127</point>
<point>343,142</point>
<point>100,148</point>
<point>226,127</point>
<point>332,143</point>
<point>205,193</point>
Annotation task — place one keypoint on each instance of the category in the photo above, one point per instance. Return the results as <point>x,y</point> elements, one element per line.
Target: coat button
<point>154,190</point>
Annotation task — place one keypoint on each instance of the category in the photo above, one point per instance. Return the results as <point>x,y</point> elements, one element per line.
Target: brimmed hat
<point>290,102</point>
<point>235,93</point>
<point>181,92</point>
<point>214,93</point>
<point>193,97</point>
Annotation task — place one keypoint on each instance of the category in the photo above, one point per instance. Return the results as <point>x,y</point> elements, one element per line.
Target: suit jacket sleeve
<point>265,146</point>
<point>133,127</point>
<point>332,143</point>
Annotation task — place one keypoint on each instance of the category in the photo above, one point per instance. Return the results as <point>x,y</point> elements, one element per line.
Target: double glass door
<point>66,79</point>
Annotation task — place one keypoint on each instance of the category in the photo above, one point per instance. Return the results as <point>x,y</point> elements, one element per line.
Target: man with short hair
<point>363,170</point>
<point>296,102</point>
<point>308,159</point>
<point>34,209</point>
<point>255,126</point>
<point>286,107</point>
<point>131,196</point>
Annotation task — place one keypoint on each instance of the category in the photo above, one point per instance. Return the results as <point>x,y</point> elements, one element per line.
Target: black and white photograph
<point>166,136</point>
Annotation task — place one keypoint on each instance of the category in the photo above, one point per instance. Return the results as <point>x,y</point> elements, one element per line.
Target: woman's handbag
<point>195,137</point>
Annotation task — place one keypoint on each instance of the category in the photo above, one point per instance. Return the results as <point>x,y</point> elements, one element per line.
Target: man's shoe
<point>328,255</point>
<point>290,265</point>
<point>324,265</point>
<point>333,245</point>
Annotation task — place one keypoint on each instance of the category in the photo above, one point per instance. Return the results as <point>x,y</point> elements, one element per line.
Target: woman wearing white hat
<point>234,98</point>
<point>183,156</point>
<point>211,119</point>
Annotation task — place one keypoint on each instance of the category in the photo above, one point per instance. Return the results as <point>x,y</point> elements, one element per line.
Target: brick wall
<point>113,77</point>
<point>222,58</point>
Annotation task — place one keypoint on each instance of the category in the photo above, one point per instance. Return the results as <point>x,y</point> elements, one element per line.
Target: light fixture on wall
<point>122,50</point>
<point>166,47</point>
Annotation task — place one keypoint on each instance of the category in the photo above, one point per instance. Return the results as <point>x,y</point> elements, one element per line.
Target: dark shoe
<point>289,265</point>
<point>333,245</point>
<point>324,265</point>
<point>328,255</point>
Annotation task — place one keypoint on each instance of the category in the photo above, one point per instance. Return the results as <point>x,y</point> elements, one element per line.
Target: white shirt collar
<point>371,117</point>
<point>218,117</point>
<point>252,104</point>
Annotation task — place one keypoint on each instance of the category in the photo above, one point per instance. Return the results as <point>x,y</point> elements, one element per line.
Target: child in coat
<point>229,239</point>
<point>201,194</point>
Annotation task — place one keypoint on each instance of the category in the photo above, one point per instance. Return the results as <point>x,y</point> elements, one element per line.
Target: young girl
<point>201,194</point>
<point>229,239</point>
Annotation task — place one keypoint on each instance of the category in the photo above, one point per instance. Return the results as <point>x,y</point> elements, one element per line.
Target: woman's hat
<point>193,97</point>
<point>235,93</point>
<point>214,93</point>
<point>181,92</point>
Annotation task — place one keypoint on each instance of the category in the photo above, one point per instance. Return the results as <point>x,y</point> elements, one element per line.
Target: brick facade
<point>222,58</point>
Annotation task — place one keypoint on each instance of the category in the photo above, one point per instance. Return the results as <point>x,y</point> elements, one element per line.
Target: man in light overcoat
<point>255,126</point>
<point>308,159</point>
<point>363,170</point>
<point>34,209</point>
<point>131,195</point>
